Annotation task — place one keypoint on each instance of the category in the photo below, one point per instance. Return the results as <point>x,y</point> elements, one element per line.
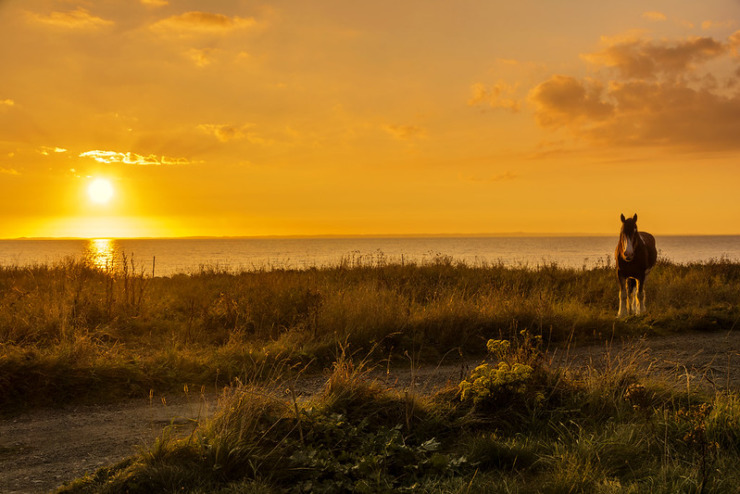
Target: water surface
<point>170,256</point>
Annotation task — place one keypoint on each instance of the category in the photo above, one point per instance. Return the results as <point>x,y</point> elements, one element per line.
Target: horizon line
<point>365,235</point>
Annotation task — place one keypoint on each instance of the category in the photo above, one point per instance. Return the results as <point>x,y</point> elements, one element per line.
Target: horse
<point>635,255</point>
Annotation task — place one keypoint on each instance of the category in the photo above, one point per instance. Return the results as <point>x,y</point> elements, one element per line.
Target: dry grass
<point>71,331</point>
<point>611,430</point>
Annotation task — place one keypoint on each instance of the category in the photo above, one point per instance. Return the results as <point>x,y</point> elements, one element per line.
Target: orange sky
<point>291,117</point>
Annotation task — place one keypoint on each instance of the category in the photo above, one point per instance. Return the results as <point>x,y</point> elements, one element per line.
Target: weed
<point>514,381</point>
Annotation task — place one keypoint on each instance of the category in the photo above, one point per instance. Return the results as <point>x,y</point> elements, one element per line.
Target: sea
<point>167,257</point>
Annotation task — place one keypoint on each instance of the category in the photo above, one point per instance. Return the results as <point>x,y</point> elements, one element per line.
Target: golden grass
<point>71,331</point>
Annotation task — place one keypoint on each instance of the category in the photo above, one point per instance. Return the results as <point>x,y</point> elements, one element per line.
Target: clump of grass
<point>350,439</point>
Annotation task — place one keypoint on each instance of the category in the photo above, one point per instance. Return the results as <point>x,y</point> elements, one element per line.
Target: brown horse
<point>636,255</point>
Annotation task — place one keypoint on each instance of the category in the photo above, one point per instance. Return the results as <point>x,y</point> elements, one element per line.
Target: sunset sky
<point>294,117</point>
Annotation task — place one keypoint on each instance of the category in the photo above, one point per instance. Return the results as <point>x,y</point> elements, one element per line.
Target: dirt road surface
<point>42,449</point>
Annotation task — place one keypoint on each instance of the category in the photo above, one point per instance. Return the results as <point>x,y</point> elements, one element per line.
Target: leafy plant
<point>513,379</point>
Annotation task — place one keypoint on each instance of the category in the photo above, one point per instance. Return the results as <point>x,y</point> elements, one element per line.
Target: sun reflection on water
<point>101,252</point>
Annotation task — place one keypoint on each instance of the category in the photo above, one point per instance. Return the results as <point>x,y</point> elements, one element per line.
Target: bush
<point>516,380</point>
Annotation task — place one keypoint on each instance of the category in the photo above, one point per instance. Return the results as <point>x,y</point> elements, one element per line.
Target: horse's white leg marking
<point>639,294</point>
<point>623,309</point>
<point>641,299</point>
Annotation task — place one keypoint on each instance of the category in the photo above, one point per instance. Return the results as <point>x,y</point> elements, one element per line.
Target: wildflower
<point>498,348</point>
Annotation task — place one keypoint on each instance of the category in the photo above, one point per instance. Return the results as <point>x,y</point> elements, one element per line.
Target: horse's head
<point>628,238</point>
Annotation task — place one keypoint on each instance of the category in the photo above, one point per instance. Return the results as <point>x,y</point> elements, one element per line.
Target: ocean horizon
<point>168,256</point>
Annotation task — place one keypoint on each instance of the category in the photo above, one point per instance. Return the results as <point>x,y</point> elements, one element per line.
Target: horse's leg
<point>631,296</point>
<point>640,297</point>
<point>623,309</point>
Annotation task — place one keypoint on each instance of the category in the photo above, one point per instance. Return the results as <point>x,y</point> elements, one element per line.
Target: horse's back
<point>649,242</point>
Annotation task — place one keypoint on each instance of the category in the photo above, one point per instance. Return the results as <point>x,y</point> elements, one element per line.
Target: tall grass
<point>71,330</point>
<point>612,430</point>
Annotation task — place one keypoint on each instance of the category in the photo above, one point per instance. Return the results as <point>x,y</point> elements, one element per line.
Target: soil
<point>42,449</point>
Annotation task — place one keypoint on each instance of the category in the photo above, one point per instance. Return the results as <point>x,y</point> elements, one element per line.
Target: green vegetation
<point>542,430</point>
<point>71,332</point>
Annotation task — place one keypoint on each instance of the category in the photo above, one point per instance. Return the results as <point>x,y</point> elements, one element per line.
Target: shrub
<point>516,379</point>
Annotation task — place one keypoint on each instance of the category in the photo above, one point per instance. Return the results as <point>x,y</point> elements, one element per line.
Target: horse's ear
<point>635,217</point>
<point>622,218</point>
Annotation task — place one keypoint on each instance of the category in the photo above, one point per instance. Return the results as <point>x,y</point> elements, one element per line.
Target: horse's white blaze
<point>627,247</point>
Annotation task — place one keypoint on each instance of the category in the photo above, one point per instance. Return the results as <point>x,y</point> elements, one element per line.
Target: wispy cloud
<point>79,19</point>
<point>500,177</point>
<point>645,58</point>
<point>226,133</point>
<point>654,16</point>
<point>7,102</point>
<point>47,150</point>
<point>734,42</point>
<point>194,23</point>
<point>707,25</point>
<point>154,3</point>
<point>8,171</point>
<point>133,158</point>
<point>500,95</point>
<point>405,132</point>
<point>200,57</point>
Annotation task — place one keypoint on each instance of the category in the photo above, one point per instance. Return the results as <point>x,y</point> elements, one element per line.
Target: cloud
<point>564,100</point>
<point>201,58</point>
<point>640,113</point>
<point>734,42</point>
<point>9,171</point>
<point>500,95</point>
<point>501,177</point>
<point>133,158</point>
<point>673,114</point>
<point>226,133</point>
<point>654,93</point>
<point>46,150</point>
<point>7,102</point>
<point>79,19</point>
<point>654,16</point>
<point>155,3</point>
<point>644,58</point>
<point>707,25</point>
<point>405,132</point>
<point>195,23</point>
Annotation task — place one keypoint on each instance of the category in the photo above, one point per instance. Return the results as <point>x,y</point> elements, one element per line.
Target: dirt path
<point>44,448</point>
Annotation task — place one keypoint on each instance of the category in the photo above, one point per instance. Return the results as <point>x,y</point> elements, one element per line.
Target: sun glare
<point>100,191</point>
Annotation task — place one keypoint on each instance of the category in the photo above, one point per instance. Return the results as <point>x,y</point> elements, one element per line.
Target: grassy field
<point>515,426</point>
<point>70,332</point>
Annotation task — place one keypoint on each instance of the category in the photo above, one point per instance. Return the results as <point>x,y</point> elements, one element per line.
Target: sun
<point>100,191</point>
